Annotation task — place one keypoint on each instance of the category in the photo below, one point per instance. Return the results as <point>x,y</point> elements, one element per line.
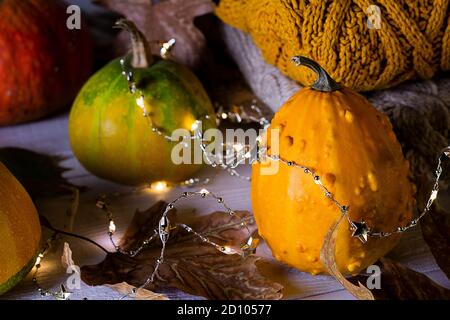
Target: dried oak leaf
<point>436,232</point>
<point>141,294</point>
<point>328,258</point>
<point>401,283</point>
<point>40,174</point>
<point>163,21</point>
<point>189,264</point>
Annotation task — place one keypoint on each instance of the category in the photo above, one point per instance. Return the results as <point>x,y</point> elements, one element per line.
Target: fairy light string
<point>234,156</point>
<point>237,154</point>
<point>165,228</point>
<point>62,293</point>
<point>360,229</point>
<point>161,233</point>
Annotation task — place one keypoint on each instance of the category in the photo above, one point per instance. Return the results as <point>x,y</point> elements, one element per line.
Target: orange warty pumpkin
<point>337,133</point>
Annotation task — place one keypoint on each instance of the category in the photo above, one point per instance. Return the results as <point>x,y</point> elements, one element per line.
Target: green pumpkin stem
<point>324,81</point>
<point>141,54</point>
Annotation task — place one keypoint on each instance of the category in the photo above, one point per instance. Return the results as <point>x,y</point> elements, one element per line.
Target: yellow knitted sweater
<point>405,39</point>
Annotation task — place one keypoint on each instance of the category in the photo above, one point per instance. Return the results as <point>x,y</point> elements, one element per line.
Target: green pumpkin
<point>110,135</point>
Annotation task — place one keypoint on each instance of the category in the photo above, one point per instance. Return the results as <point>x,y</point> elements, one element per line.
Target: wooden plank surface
<point>50,137</point>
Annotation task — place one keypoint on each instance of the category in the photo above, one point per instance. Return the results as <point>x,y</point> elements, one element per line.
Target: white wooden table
<point>50,137</point>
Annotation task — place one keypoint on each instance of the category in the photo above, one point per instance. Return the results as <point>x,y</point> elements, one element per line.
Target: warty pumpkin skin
<point>42,63</point>
<point>354,150</point>
<point>20,232</point>
<point>109,134</point>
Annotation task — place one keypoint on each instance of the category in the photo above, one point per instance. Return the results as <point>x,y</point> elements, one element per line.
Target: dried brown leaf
<point>189,265</point>
<point>401,283</point>
<point>66,258</point>
<point>328,258</point>
<point>141,294</point>
<point>139,11</point>
<point>436,230</point>
<point>163,21</point>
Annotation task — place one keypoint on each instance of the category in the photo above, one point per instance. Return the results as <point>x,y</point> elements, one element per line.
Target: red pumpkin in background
<point>42,63</point>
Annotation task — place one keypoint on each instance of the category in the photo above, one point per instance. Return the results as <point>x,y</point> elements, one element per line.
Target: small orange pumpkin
<point>337,133</point>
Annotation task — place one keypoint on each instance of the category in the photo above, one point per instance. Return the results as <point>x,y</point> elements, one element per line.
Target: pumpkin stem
<point>141,55</point>
<point>324,81</point>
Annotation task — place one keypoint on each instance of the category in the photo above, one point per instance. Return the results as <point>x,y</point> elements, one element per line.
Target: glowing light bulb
<point>112,227</point>
<point>194,126</point>
<point>38,260</point>
<point>141,102</point>
<point>228,250</point>
<point>159,186</point>
<point>433,195</point>
<point>238,147</point>
<point>204,191</point>
<point>166,47</point>
<point>224,115</point>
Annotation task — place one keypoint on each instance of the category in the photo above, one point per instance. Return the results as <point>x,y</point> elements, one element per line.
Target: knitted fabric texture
<point>405,39</point>
<point>419,111</point>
